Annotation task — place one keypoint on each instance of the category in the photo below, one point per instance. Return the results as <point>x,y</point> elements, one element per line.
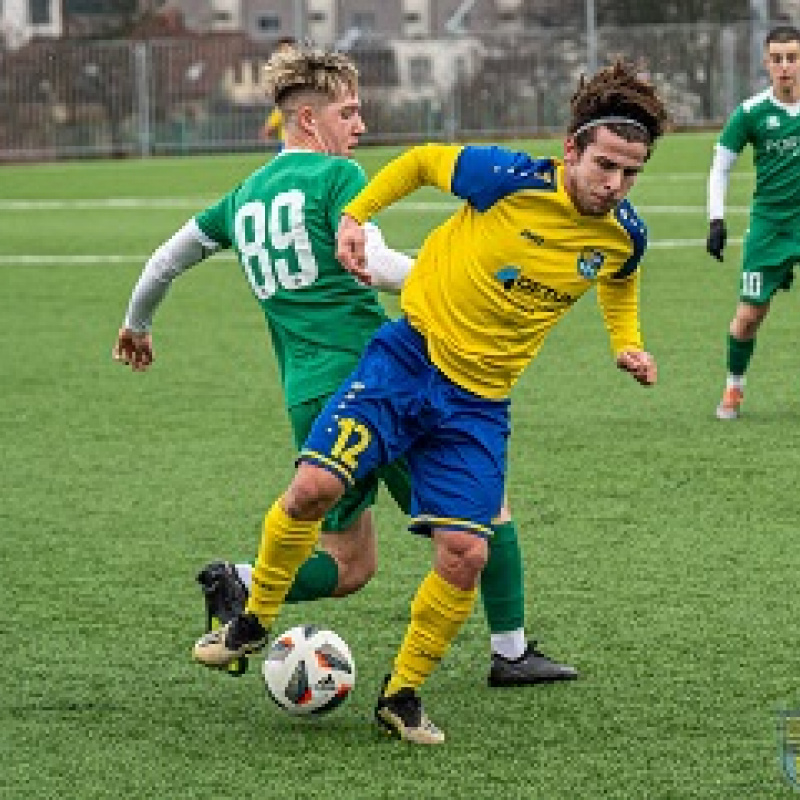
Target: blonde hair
<point>297,69</point>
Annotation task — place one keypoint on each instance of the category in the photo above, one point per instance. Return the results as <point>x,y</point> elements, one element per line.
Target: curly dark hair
<point>617,91</point>
<point>300,68</point>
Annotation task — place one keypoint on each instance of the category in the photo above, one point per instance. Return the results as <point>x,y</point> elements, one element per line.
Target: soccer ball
<point>309,670</point>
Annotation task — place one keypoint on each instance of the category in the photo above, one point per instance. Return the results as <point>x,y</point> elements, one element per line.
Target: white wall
<point>422,27</point>
<point>226,15</point>
<point>322,32</point>
<point>15,28</point>
<point>447,58</point>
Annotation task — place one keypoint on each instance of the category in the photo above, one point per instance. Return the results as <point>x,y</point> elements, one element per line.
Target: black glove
<point>717,236</point>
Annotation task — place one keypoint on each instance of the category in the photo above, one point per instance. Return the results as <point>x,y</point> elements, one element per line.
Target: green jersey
<point>282,221</point>
<point>773,129</point>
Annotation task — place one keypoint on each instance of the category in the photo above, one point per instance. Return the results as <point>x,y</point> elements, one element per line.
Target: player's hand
<point>133,349</point>
<point>641,365</point>
<point>717,236</point>
<point>351,248</point>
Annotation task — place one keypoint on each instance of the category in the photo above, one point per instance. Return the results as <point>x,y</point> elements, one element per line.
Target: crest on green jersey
<point>590,262</point>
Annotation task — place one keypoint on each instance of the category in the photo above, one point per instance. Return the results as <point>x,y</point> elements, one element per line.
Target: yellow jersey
<point>491,281</point>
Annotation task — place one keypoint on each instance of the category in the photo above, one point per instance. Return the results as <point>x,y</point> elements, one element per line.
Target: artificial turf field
<point>660,545</point>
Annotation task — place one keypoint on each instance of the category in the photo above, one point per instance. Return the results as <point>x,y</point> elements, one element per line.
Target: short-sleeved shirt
<point>282,222</point>
<point>772,128</point>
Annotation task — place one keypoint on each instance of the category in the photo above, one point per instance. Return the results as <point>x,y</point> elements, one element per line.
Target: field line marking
<point>72,260</point>
<point>198,203</point>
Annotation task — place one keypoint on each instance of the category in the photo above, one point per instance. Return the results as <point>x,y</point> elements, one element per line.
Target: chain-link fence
<point>63,99</point>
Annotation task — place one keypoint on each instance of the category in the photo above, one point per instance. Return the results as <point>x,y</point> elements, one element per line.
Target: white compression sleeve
<point>387,268</point>
<point>183,250</point>
<point>724,159</point>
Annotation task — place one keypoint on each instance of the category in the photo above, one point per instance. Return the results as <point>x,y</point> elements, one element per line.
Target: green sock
<point>316,578</point>
<point>502,590</point>
<point>739,354</point>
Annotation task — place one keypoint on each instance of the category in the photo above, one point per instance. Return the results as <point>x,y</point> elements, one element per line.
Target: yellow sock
<point>285,544</point>
<point>437,613</point>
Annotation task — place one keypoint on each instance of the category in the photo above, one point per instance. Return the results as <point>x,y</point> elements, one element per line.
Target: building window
<point>420,71</point>
<point>222,16</point>
<point>269,23</point>
<point>39,12</point>
<point>317,16</point>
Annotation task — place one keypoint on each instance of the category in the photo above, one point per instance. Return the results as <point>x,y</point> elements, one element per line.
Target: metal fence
<point>69,99</point>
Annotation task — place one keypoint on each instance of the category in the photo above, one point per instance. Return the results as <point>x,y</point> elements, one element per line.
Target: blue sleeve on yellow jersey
<point>634,226</point>
<point>483,175</point>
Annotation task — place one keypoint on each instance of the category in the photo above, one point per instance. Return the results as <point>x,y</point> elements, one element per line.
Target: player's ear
<point>570,151</point>
<point>306,119</point>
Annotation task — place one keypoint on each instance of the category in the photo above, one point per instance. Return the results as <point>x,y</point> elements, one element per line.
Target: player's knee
<point>355,574</point>
<point>476,556</point>
<point>355,555</point>
<point>748,319</point>
<point>460,557</point>
<point>744,327</point>
<point>746,330</point>
<point>312,493</point>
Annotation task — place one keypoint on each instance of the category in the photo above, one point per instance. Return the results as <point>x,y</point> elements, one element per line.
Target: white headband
<point>611,121</point>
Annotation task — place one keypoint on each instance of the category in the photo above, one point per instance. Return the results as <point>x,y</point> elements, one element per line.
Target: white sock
<point>245,573</point>
<point>509,644</point>
<point>735,381</point>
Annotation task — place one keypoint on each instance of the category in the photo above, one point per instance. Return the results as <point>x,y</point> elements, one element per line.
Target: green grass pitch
<point>660,544</point>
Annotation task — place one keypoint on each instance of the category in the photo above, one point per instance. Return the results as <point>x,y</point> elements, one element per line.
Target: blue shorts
<point>397,402</point>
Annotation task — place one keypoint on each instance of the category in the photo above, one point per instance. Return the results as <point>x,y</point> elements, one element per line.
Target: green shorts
<point>770,253</point>
<point>362,494</point>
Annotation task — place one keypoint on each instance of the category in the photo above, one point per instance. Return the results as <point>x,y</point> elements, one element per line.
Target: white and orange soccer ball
<point>309,670</point>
